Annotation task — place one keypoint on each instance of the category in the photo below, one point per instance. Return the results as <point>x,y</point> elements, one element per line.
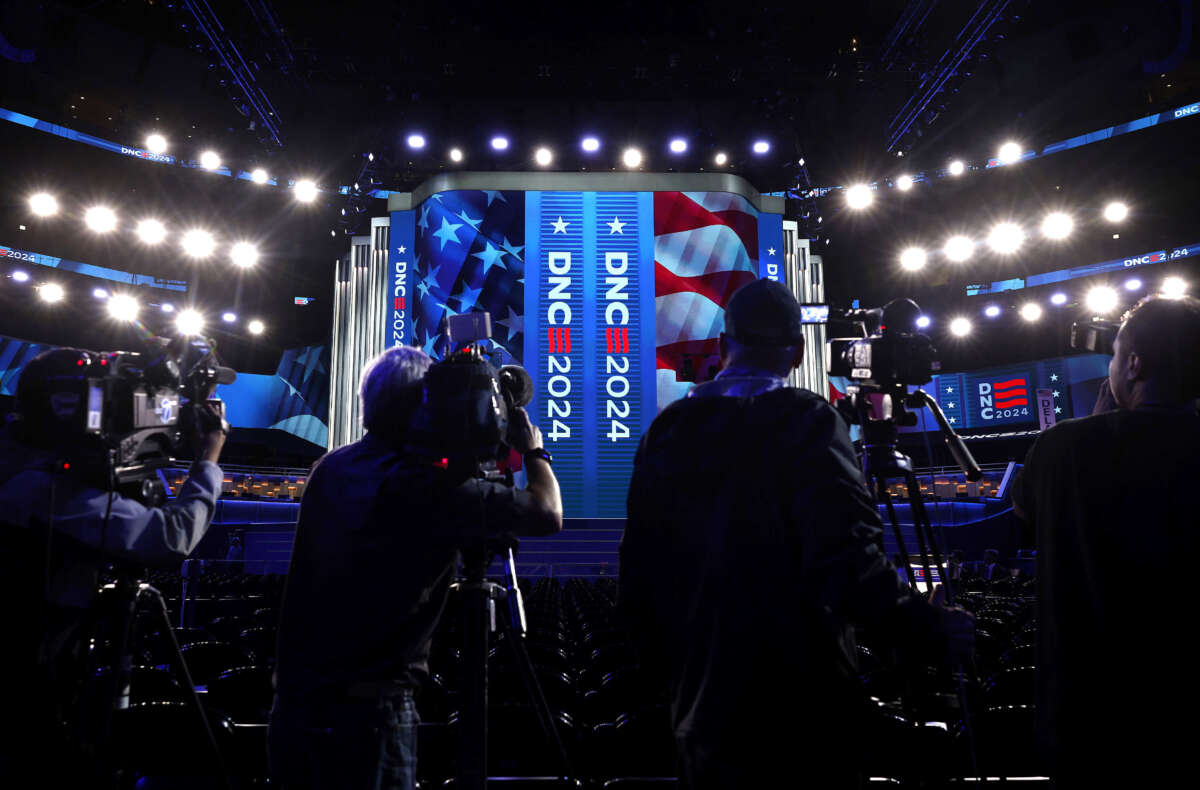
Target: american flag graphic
<point>1014,392</point>
<point>705,248</point>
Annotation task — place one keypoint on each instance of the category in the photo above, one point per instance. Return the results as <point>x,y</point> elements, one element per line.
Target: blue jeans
<point>344,743</point>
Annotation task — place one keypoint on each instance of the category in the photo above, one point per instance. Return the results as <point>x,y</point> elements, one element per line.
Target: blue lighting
<point>416,141</point>
<point>500,143</point>
<point>100,293</point>
<point>1058,298</point>
<point>761,147</point>
<point>992,311</point>
<point>20,276</point>
<point>167,307</point>
<point>1133,284</point>
<point>229,318</point>
<point>678,145</point>
<point>590,144</point>
<point>923,321</point>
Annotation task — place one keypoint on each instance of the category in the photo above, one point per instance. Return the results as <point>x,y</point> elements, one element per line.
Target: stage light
<point>43,204</point>
<point>101,219</point>
<point>123,307</point>
<point>209,160</point>
<point>20,276</point>
<point>259,176</point>
<point>720,159</point>
<point>198,243</point>
<point>189,322</point>
<point>151,231</point>
<point>678,145</point>
<point>1009,152</point>
<point>1133,284</point>
<point>416,141</point>
<point>256,327</point>
<point>957,168</point>
<point>229,318</point>
<point>456,155</point>
<point>1059,298</point>
<point>1101,300</point>
<point>590,144</point>
<point>167,307</point>
<point>1057,225</point>
<point>499,143</point>
<point>51,292</point>
<point>306,190</point>
<point>99,293</point>
<point>543,157</point>
<point>1116,211</point>
<point>761,147</point>
<point>958,248</point>
<point>1031,311</point>
<point>913,258</point>
<point>370,157</point>
<point>156,144</point>
<point>904,183</point>
<point>859,196</point>
<point>960,327</point>
<point>1006,238</point>
<point>923,321</point>
<point>991,311</point>
<point>632,157</point>
<point>1174,287</point>
<point>243,254</point>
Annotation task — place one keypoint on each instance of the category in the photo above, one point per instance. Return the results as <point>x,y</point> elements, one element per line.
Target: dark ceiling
<point>309,88</point>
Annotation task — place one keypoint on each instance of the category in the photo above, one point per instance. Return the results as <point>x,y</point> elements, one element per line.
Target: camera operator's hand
<point>957,624</point>
<point>524,435</point>
<point>209,429</point>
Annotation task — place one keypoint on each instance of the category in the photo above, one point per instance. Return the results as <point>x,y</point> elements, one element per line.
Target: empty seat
<point>244,694</point>
<point>207,660</point>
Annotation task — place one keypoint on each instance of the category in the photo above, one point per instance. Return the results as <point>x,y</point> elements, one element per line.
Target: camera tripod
<point>478,597</point>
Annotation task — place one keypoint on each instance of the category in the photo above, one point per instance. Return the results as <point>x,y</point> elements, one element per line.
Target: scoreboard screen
<point>613,301</point>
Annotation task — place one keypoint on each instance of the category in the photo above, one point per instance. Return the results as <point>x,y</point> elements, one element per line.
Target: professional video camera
<point>133,410</point>
<point>888,350</point>
<point>1094,336</point>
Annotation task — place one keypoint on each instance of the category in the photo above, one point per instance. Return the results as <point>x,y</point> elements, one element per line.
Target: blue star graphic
<point>950,405</point>
<point>474,223</point>
<point>1054,377</point>
<point>438,197</point>
<point>1055,393</point>
<point>446,232</point>
<point>515,324</point>
<point>468,297</point>
<point>423,222</point>
<point>1058,409</point>
<point>431,277</point>
<point>493,194</point>
<point>423,288</point>
<point>560,226</point>
<point>430,342</point>
<point>490,257</point>
<point>512,250</point>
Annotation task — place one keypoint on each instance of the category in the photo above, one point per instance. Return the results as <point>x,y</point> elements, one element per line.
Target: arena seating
<point>614,724</point>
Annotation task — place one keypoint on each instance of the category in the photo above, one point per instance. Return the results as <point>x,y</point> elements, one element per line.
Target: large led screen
<point>613,301</point>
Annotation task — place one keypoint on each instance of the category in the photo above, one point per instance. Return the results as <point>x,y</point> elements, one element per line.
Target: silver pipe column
<point>806,279</point>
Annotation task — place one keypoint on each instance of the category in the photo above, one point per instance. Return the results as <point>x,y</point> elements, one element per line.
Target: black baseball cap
<point>764,313</point>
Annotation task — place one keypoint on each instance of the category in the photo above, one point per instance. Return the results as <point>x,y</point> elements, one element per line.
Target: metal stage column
<point>805,276</point>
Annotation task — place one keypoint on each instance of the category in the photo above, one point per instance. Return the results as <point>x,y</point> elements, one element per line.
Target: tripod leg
<point>478,616</point>
<point>536,695</point>
<point>924,530</point>
<point>885,496</point>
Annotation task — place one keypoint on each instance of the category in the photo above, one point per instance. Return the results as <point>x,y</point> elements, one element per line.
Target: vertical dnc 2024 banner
<point>613,301</point>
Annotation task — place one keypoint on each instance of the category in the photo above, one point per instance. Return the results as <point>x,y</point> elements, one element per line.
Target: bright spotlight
<point>259,176</point>
<point>1006,238</point>
<point>229,318</point>
<point>101,219</point>
<point>43,204</point>
<point>189,322</point>
<point>1101,300</point>
<point>51,292</point>
<point>416,141</point>
<point>306,190</point>
<point>958,248</point>
<point>590,144</point>
<point>167,307</point>
<point>1057,225</point>
<point>1116,211</point>
<point>209,160</point>
<point>151,231</point>
<point>923,321</point>
<point>499,143</point>
<point>904,183</point>
<point>243,254</point>
<point>1031,311</point>
<point>198,243</point>
<point>1059,298</point>
<point>992,310</point>
<point>960,327</point>
<point>720,159</point>
<point>156,144</point>
<point>913,258</point>
<point>1133,284</point>
<point>678,145</point>
<point>20,276</point>
<point>1009,152</point>
<point>1174,287</point>
<point>543,157</point>
<point>456,155</point>
<point>632,157</point>
<point>256,327</point>
<point>859,196</point>
<point>957,168</point>
<point>99,293</point>
<point>761,147</point>
<point>123,307</point>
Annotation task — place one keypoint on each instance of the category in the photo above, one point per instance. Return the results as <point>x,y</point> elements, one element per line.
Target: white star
<point>446,232</point>
<point>490,257</point>
<point>560,226</point>
<point>1054,377</point>
<point>951,419</point>
<point>615,226</point>
<point>770,251</point>
<point>1055,393</point>
<point>401,249</point>
<point>950,405</point>
<point>514,323</point>
<point>1058,409</point>
<point>949,389</point>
